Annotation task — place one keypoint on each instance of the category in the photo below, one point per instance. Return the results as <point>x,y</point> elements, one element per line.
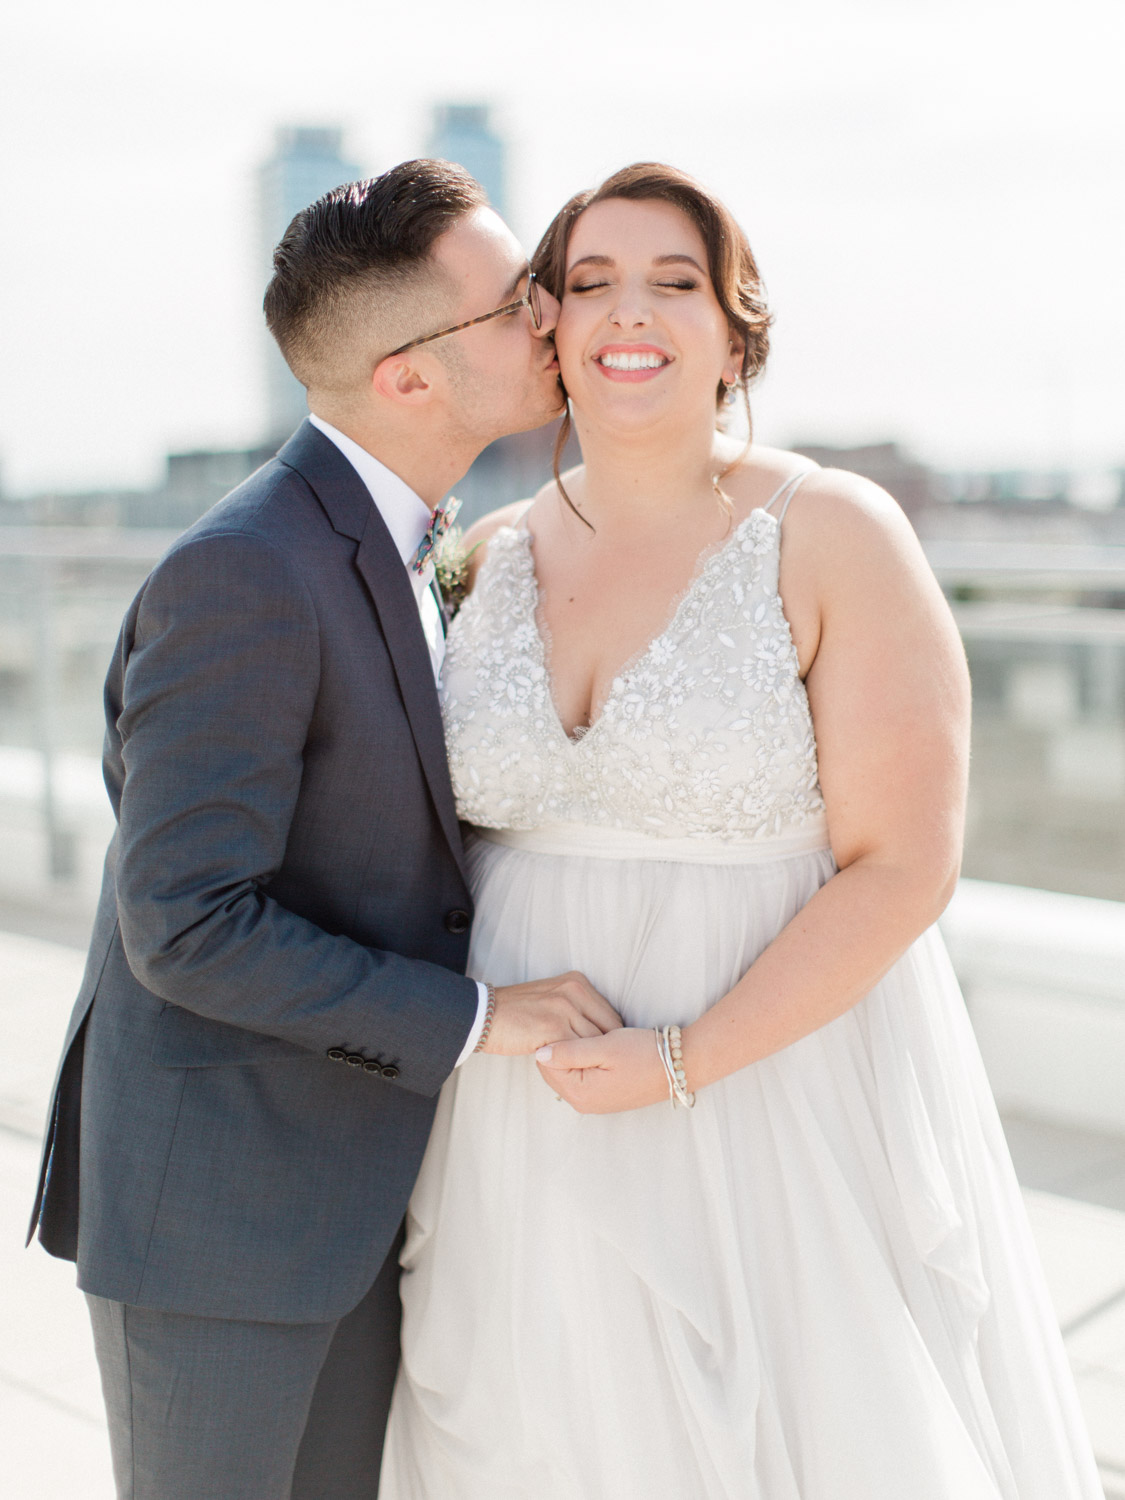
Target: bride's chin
<point>629,418</point>
<point>593,417</point>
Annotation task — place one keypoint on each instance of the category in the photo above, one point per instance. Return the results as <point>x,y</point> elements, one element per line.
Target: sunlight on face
<point>641,331</point>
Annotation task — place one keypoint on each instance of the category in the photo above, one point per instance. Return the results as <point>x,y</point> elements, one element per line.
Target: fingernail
<point>543,1055</point>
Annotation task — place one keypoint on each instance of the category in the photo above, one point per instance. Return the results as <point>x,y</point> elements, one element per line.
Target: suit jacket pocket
<point>186,1040</point>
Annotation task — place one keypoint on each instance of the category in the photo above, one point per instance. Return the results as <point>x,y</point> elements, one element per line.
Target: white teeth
<point>616,361</point>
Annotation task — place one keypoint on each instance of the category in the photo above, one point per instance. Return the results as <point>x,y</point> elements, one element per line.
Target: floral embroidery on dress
<point>707,733</point>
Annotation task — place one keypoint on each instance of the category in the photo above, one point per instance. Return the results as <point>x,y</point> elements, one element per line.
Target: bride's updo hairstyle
<point>730,262</point>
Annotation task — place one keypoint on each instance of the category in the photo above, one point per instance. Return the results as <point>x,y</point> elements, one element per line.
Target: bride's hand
<point>602,1075</point>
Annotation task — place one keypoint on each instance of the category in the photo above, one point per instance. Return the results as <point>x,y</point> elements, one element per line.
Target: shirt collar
<point>406,515</point>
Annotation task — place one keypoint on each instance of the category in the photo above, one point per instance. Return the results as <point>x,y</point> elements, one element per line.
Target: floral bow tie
<point>444,517</point>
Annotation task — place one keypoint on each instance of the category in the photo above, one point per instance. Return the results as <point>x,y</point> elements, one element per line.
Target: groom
<point>275,989</point>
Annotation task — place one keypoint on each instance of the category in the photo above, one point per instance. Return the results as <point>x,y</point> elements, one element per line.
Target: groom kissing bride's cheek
<point>276,985</point>
<point>362,1202</point>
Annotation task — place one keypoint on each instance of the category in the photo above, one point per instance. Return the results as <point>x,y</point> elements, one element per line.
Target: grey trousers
<point>216,1409</point>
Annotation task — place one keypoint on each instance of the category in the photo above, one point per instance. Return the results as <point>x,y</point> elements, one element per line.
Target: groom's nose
<point>550,314</point>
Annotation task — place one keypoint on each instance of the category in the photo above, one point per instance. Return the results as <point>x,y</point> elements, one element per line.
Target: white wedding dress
<point>817,1285</point>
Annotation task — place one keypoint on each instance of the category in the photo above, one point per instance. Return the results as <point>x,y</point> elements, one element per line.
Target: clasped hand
<point>583,1051</point>
<point>603,1075</point>
<point>532,1015</point>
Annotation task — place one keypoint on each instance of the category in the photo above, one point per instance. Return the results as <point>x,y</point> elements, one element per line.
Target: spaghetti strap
<point>786,492</point>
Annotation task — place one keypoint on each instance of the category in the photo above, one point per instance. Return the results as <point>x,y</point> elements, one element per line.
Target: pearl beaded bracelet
<point>489,1013</point>
<point>669,1046</point>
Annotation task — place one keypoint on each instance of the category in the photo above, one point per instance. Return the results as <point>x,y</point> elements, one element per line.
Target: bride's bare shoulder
<point>481,532</point>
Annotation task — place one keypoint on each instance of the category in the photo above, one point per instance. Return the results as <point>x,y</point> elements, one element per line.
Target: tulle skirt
<point>819,1284</point>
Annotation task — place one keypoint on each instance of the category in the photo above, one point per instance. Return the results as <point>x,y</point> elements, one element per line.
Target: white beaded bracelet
<point>669,1046</point>
<point>489,1013</point>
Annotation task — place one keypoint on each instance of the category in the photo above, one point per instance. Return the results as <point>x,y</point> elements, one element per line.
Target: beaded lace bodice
<point>705,734</point>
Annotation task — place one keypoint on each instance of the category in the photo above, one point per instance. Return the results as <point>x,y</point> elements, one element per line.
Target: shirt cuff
<point>478,1024</point>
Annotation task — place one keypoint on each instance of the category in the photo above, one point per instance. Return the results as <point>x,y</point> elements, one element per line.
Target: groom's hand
<point>533,1015</point>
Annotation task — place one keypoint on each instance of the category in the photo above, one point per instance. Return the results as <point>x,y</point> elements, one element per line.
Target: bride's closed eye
<point>674,284</point>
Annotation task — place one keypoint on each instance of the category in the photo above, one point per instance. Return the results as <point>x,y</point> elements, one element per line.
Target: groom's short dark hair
<point>353,274</point>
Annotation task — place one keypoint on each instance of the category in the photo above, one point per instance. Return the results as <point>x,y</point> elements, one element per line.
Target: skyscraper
<point>517,465</point>
<point>462,133</point>
<point>306,162</point>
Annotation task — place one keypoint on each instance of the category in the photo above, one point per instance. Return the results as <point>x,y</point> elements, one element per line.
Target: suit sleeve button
<point>390,1071</point>
<point>370,1066</point>
<point>457,921</point>
<point>337,1054</point>
<point>354,1059</point>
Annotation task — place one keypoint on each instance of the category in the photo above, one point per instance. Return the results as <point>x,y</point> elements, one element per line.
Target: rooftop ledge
<point>1044,981</point>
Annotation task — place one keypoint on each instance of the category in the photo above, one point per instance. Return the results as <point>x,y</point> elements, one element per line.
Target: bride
<point>708,714</point>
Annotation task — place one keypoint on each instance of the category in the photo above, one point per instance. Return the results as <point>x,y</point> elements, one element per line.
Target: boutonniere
<point>451,568</point>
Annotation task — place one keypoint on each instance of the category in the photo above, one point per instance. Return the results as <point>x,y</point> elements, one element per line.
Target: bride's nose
<point>632,309</point>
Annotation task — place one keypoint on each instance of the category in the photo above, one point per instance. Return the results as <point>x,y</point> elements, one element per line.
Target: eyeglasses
<point>530,300</point>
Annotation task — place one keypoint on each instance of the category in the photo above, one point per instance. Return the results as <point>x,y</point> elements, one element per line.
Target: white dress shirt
<point>407,517</point>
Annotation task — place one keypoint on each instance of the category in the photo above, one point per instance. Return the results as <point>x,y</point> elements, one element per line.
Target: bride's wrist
<point>669,1049</point>
<point>695,1061</point>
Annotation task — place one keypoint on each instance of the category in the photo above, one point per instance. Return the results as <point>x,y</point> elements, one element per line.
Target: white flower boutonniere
<point>451,569</point>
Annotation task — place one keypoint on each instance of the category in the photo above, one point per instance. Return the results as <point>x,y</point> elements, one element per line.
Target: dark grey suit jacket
<point>285,889</point>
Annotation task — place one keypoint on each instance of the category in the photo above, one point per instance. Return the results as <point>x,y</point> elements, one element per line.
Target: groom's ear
<point>401,381</point>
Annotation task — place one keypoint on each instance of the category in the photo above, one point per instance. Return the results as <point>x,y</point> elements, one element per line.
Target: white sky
<point>935,190</point>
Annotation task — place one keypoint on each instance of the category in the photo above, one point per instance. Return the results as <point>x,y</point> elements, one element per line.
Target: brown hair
<point>730,262</point>
<point>353,268</point>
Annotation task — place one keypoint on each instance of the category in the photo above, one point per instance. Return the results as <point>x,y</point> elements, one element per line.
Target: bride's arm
<point>889,693</point>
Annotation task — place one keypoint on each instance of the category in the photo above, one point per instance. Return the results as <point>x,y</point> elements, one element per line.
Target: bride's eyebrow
<point>591,260</point>
<point>657,260</point>
<point>667,260</point>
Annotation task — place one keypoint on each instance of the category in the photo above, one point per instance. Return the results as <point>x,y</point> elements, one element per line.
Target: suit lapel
<point>381,569</point>
<point>353,513</point>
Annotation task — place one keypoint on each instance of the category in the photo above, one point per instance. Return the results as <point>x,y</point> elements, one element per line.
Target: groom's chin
<point>553,408</point>
<point>534,418</point>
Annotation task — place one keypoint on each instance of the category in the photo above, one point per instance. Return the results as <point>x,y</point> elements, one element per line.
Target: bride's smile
<point>642,339</point>
<point>631,361</point>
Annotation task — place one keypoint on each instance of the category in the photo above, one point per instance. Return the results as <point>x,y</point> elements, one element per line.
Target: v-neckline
<point>703,562</point>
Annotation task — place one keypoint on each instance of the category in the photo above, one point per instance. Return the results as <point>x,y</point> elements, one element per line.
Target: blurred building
<point>192,483</point>
<point>1095,490</point>
<point>307,162</point>
<point>462,133</point>
<point>912,484</point>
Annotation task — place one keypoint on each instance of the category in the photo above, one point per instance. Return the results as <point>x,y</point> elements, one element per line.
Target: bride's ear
<point>736,353</point>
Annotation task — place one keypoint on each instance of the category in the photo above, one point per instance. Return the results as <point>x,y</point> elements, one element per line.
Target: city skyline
<point>305,163</point>
<point>934,193</point>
